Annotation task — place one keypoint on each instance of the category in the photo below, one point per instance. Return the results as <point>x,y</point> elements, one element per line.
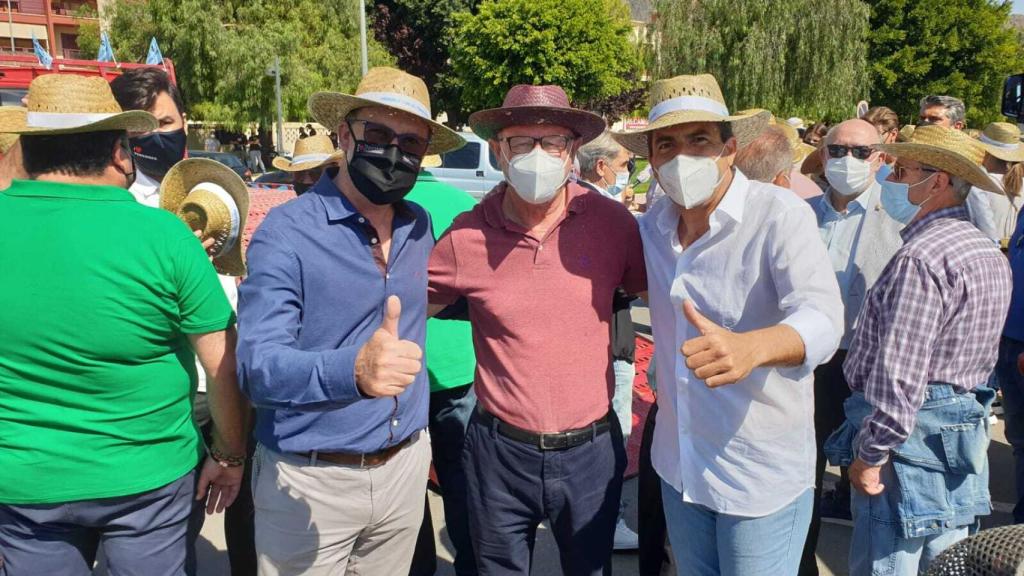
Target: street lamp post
<point>276,73</point>
<point>362,34</point>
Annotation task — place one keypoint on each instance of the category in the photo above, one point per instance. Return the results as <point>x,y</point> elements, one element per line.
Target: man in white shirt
<point>744,306</point>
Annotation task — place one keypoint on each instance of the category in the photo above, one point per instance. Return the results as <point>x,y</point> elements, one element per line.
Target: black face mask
<point>384,174</point>
<point>301,188</point>
<point>156,152</point>
<point>129,177</point>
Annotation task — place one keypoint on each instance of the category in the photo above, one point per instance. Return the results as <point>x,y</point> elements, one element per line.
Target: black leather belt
<point>550,441</point>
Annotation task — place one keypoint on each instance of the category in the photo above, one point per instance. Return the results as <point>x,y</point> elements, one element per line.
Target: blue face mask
<point>620,184</point>
<point>896,201</point>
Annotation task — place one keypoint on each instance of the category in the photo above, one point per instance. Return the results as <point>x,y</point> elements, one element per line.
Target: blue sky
<point>1018,6</point>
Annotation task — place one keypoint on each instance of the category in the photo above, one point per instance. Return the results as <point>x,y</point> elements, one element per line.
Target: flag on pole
<point>106,53</point>
<point>155,57</point>
<point>44,57</point>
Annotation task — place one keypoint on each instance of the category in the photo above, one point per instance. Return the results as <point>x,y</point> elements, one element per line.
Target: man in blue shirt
<point>334,315</point>
<point>1011,381</point>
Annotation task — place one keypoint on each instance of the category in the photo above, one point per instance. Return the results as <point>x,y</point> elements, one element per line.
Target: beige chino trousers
<point>324,519</point>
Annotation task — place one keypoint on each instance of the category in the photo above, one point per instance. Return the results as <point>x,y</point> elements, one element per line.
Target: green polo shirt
<point>450,359</point>
<point>98,294</point>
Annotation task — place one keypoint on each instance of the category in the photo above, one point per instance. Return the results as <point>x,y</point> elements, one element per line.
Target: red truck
<point>18,71</point>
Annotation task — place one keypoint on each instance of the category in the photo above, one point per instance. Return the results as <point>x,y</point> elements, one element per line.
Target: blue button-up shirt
<point>314,295</point>
<point>840,232</point>
<point>1015,319</point>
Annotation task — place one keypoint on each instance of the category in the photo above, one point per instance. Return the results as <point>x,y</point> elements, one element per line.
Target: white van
<point>472,168</point>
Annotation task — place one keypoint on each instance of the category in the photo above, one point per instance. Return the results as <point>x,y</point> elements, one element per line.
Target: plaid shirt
<point>934,315</point>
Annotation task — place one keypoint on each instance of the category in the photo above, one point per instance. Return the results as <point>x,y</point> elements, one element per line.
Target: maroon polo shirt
<point>541,307</point>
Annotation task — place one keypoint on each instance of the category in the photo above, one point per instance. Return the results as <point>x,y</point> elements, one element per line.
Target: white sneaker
<point>625,538</point>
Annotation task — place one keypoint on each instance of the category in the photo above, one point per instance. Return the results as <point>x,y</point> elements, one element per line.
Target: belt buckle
<point>553,441</point>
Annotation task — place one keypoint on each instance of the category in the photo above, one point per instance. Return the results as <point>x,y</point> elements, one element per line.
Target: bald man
<point>861,239</point>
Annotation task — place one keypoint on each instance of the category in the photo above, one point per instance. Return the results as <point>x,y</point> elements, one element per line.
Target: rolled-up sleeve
<point>272,370</point>
<point>808,292</point>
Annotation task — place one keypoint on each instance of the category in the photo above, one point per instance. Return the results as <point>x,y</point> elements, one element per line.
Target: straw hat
<point>905,133</point>
<point>73,104</point>
<point>1002,140</point>
<point>801,149</point>
<point>309,153</point>
<point>686,99</point>
<point>387,88</point>
<point>950,151</point>
<point>796,122</point>
<point>10,114</point>
<point>431,161</point>
<point>209,196</point>
<point>756,111</point>
<point>525,105</point>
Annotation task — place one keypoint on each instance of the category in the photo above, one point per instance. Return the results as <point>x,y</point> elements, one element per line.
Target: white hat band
<point>311,157</point>
<point>398,101</point>
<point>228,201</point>
<point>1005,145</point>
<point>62,120</point>
<point>681,103</point>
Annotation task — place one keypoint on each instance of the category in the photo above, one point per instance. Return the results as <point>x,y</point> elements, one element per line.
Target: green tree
<point>581,45</point>
<point>222,50</point>
<point>799,57</point>
<point>962,48</point>
<point>418,34</point>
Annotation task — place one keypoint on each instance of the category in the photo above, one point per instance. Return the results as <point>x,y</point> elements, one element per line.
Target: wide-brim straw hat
<point>210,197</point>
<point>528,105</point>
<point>72,104</point>
<point>9,114</point>
<point>431,161</point>
<point>388,88</point>
<point>686,99</point>
<point>1002,140</point>
<point>945,149</point>
<point>309,153</point>
<point>801,149</point>
<point>906,133</point>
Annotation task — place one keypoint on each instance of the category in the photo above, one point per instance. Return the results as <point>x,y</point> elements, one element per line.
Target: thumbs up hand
<point>386,365</point>
<point>718,356</point>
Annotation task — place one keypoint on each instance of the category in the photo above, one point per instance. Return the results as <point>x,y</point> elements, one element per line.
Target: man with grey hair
<point>767,158</point>
<point>604,169</point>
<point>916,432</point>
<point>944,111</point>
<point>950,112</point>
<point>861,238</point>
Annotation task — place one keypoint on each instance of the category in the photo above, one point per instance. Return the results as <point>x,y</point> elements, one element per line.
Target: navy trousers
<point>512,487</point>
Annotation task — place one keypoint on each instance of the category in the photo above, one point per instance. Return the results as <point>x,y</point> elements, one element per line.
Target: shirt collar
<point>492,204</point>
<point>731,206</point>
<point>339,207</point>
<point>858,204</point>
<point>46,189</point>
<point>144,187</point>
<point>595,188</point>
<point>915,228</point>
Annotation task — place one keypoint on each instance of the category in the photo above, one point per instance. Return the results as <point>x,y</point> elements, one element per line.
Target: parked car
<point>274,177</point>
<point>472,168</point>
<point>226,158</point>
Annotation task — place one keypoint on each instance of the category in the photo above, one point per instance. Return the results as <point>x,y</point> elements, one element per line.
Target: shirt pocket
<point>965,446</point>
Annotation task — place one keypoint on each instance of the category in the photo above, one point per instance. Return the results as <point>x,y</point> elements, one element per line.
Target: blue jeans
<point>450,411</point>
<point>139,534</point>
<point>708,543</point>
<point>1012,384</point>
<point>622,400</point>
<point>876,547</point>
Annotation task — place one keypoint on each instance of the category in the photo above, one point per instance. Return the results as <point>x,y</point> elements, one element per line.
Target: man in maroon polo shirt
<point>538,262</point>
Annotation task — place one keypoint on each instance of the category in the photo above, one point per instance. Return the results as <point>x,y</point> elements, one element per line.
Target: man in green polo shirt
<point>105,301</point>
<point>450,367</point>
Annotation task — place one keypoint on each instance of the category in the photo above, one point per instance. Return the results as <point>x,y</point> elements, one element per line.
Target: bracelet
<point>225,460</point>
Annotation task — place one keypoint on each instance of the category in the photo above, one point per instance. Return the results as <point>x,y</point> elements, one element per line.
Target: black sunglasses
<point>381,135</point>
<point>859,152</point>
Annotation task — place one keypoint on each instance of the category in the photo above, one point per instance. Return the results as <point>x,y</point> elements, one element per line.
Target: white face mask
<point>690,181</point>
<point>536,177</point>
<point>848,175</point>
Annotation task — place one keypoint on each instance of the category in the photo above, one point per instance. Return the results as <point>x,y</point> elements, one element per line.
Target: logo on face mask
<point>155,153</point>
<point>536,177</point>
<point>384,174</point>
<point>690,181</point>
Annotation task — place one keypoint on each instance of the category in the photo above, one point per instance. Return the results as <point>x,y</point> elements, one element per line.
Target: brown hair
<point>1013,179</point>
<point>883,119</point>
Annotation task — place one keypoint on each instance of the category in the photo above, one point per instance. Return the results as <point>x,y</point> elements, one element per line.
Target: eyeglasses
<point>381,135</point>
<point>859,152</point>
<point>900,171</point>
<point>552,144</point>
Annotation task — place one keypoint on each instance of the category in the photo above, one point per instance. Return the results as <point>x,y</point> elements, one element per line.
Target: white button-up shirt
<point>746,449</point>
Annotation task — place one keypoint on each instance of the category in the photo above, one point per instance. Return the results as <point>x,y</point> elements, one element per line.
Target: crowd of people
<point>830,294</point>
